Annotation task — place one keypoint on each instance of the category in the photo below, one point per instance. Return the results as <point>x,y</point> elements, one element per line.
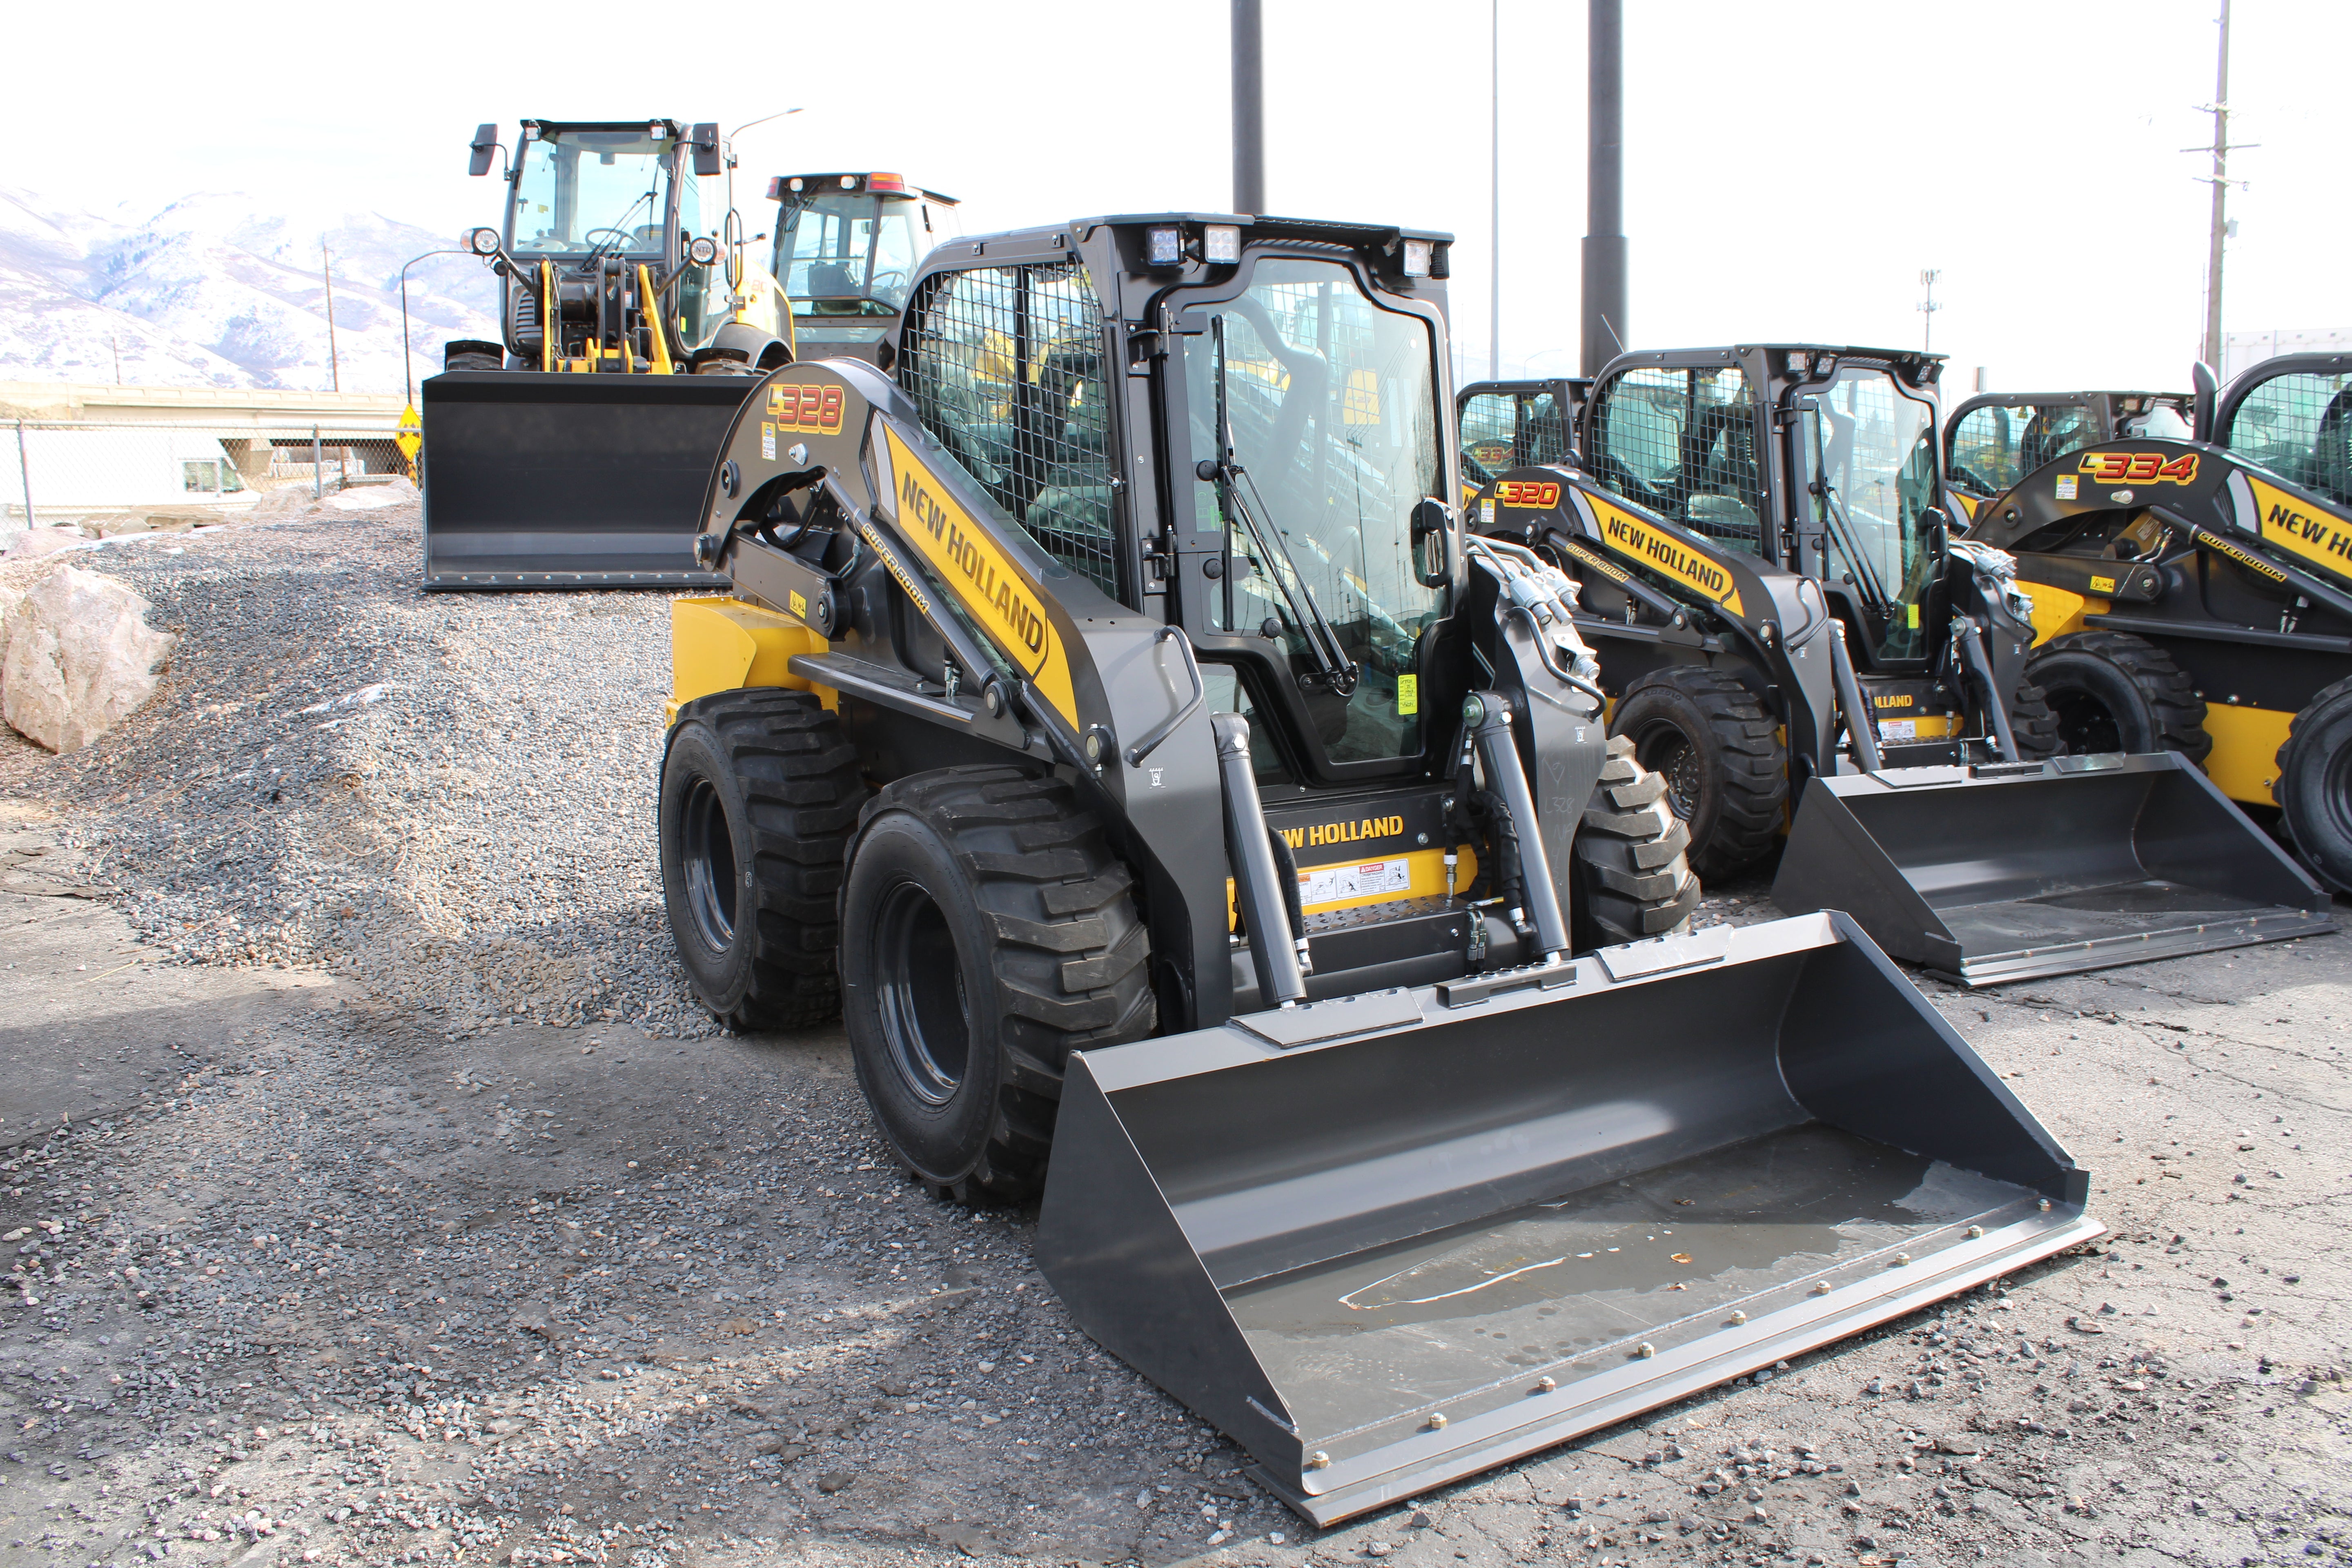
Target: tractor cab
<point>1993,440</point>
<point>1516,424</point>
<point>845,252</point>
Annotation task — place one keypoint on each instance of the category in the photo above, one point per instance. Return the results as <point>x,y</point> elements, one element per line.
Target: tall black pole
<point>1604,184</point>
<point>1249,110</point>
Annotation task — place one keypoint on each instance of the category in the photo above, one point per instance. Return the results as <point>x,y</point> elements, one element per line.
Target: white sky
<point>1791,168</point>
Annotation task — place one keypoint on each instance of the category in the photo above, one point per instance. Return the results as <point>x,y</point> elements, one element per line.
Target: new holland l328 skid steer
<point>1109,717</point>
<point>1782,620</point>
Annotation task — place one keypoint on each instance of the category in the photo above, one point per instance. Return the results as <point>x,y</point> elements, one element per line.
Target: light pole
<point>1249,108</point>
<point>408,381</point>
<point>1604,183</point>
<point>1927,307</point>
<point>1495,235</point>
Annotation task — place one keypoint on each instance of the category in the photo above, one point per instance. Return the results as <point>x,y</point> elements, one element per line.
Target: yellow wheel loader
<point>2196,595</point>
<point>1790,637</point>
<point>1107,715</point>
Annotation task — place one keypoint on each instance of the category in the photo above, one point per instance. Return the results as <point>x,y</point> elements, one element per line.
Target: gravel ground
<point>402,1274</point>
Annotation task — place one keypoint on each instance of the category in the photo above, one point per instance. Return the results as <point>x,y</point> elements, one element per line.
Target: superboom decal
<point>983,578</point>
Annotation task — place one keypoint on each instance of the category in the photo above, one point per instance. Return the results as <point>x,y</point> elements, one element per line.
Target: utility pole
<point>1494,234</point>
<point>1928,308</point>
<point>1249,108</point>
<point>114,341</point>
<point>2212,351</point>
<point>327,270</point>
<point>1604,183</point>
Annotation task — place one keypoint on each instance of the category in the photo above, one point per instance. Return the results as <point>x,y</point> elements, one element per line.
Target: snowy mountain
<point>218,290</point>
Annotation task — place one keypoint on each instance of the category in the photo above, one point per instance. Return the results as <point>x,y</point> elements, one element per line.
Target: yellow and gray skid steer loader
<point>574,453</point>
<point>2196,596</point>
<point>1107,715</point>
<point>1996,438</point>
<point>1782,619</point>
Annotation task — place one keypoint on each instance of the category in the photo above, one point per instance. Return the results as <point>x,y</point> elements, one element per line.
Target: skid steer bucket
<point>544,481</point>
<point>2009,871</point>
<point>1390,1240</point>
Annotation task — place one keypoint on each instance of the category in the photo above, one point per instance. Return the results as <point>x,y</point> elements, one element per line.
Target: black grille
<point>1683,442</point>
<point>1005,366</point>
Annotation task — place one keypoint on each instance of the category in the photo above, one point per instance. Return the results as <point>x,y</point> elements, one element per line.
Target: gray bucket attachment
<point>1394,1239</point>
<point>2011,872</point>
<point>552,480</point>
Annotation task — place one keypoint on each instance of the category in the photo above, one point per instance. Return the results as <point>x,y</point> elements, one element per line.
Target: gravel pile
<point>447,798</point>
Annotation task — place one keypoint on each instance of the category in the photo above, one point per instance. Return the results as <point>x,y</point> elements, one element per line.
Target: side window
<point>1985,453</point>
<point>1683,442</point>
<point>1004,364</point>
<point>1543,428</point>
<point>2055,431</point>
<point>1488,423</point>
<point>2299,425</point>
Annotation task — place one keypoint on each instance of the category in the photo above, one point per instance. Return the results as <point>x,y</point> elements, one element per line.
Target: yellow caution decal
<point>984,578</point>
<point>1661,552</point>
<point>2295,524</point>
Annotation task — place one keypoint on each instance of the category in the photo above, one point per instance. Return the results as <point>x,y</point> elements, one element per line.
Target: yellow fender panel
<point>2057,612</point>
<point>2243,764</point>
<point>720,644</point>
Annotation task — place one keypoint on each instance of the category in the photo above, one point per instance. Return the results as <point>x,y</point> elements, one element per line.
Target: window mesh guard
<point>1006,367</point>
<point>2299,425</point>
<point>1684,443</point>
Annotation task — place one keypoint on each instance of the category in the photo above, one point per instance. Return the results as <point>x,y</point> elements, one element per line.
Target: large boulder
<point>79,656</point>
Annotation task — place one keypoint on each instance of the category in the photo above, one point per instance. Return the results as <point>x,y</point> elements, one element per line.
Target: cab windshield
<point>1331,404</point>
<point>1871,446</point>
<point>849,253</point>
<point>582,191</point>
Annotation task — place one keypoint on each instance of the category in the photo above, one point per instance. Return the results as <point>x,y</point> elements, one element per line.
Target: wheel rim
<point>1668,753</point>
<point>926,1018</point>
<point>709,859</point>
<point>2085,725</point>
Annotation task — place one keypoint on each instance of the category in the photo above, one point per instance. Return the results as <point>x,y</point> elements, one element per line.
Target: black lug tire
<point>987,930</point>
<point>1726,769</point>
<point>760,791</point>
<point>2031,723</point>
<point>2314,785</point>
<point>2112,691</point>
<point>1633,876</point>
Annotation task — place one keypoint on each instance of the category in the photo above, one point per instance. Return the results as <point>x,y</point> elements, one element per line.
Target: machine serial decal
<point>2323,540</point>
<point>806,409</point>
<point>1664,554</point>
<point>998,594</point>
<point>2138,469</point>
<point>1528,492</point>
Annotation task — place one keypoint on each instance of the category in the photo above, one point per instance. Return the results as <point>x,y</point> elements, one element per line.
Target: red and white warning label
<point>1334,884</point>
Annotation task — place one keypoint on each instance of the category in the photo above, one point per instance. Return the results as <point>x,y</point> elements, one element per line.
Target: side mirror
<point>705,140</point>
<point>2207,386</point>
<point>1433,544</point>
<point>486,142</point>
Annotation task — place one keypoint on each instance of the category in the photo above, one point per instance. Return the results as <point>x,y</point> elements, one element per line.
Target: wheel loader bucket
<point>2011,872</point>
<point>1392,1239</point>
<point>552,481</point>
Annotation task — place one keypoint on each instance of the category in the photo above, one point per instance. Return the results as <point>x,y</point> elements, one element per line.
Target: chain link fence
<point>86,474</point>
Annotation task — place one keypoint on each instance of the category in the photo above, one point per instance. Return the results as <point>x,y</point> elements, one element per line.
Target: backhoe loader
<point>1109,717</point>
<point>573,452</point>
<point>1789,635</point>
<point>2196,595</point>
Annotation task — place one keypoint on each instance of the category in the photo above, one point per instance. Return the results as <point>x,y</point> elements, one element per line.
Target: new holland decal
<point>2139,467</point>
<point>1660,551</point>
<point>804,408</point>
<point>2293,524</point>
<point>984,580</point>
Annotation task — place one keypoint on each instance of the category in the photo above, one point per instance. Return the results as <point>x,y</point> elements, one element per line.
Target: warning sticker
<point>1899,729</point>
<point>2066,483</point>
<point>1330,884</point>
<point>767,442</point>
